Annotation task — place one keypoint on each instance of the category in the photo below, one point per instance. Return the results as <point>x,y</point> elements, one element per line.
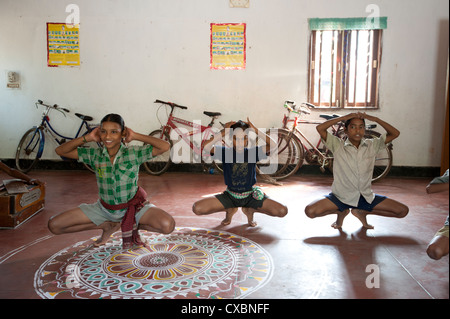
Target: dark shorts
<point>229,201</point>
<point>362,204</point>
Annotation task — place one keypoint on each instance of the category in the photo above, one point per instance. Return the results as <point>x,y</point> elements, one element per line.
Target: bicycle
<point>195,139</point>
<point>31,145</point>
<point>319,154</point>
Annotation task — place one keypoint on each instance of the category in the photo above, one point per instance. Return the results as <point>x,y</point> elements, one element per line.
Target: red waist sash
<point>130,235</point>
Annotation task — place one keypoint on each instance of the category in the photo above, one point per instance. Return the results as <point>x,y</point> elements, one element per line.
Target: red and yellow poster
<point>63,46</point>
<point>228,46</point>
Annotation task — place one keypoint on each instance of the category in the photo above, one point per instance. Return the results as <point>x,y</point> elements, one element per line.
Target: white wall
<point>133,52</point>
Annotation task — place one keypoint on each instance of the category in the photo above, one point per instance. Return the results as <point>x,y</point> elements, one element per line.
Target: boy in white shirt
<point>353,166</point>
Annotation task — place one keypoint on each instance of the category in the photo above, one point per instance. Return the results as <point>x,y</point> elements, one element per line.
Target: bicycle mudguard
<point>42,143</point>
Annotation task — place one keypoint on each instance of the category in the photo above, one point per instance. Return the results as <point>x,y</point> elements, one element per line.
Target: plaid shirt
<point>117,182</point>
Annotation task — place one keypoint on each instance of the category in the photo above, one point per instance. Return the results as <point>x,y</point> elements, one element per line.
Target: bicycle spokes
<point>29,150</point>
<point>32,146</point>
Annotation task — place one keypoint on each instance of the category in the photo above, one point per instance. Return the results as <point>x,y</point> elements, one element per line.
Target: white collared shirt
<point>353,167</point>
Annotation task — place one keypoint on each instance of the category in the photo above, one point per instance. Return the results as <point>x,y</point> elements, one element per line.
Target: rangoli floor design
<point>188,263</point>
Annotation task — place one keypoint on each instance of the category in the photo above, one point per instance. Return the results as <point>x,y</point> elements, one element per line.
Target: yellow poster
<point>228,46</point>
<point>63,46</point>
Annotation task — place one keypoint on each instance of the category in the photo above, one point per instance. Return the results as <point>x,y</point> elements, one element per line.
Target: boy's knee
<point>404,210</point>
<point>310,211</point>
<point>53,226</point>
<point>168,226</point>
<point>198,209</point>
<point>434,252</point>
<point>283,210</point>
<point>194,208</point>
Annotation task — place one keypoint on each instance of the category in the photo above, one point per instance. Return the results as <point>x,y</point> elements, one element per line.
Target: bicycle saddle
<point>84,117</point>
<point>328,117</point>
<point>212,114</point>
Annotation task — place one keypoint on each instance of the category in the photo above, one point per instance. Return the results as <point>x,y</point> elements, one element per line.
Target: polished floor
<point>311,260</point>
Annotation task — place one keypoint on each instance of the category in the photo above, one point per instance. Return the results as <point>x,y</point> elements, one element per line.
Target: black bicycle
<point>31,146</point>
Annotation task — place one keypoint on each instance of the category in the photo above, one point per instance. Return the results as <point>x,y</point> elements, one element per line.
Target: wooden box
<point>18,208</point>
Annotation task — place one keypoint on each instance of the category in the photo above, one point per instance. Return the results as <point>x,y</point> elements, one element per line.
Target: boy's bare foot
<point>229,216</point>
<point>108,228</point>
<point>249,213</point>
<point>340,219</point>
<point>362,216</point>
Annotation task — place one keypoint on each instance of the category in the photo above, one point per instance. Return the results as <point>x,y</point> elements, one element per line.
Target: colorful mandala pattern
<point>188,263</point>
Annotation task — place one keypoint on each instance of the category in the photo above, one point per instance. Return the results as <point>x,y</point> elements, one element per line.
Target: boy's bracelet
<point>84,139</point>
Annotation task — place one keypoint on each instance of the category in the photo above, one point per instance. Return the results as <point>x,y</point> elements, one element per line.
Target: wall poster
<point>228,46</point>
<point>63,46</point>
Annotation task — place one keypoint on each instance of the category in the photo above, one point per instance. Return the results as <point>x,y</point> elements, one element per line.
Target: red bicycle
<point>186,139</point>
<point>293,142</point>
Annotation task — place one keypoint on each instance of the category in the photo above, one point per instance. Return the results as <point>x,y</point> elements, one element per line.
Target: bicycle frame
<point>198,130</point>
<point>32,143</point>
<point>296,130</point>
<point>45,124</point>
<point>191,139</point>
<point>314,152</point>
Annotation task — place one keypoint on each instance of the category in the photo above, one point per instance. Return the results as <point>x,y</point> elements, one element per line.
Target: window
<point>344,62</point>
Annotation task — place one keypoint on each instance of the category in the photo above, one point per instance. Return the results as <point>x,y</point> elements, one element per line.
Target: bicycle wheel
<point>288,157</point>
<point>383,160</point>
<point>159,164</point>
<point>29,150</point>
<point>295,157</point>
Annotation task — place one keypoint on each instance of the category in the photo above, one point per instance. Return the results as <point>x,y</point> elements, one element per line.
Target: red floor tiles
<point>306,258</point>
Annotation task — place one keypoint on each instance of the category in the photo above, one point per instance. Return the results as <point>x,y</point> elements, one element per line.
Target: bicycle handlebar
<point>309,105</point>
<point>291,106</point>
<point>55,106</point>
<point>171,104</point>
